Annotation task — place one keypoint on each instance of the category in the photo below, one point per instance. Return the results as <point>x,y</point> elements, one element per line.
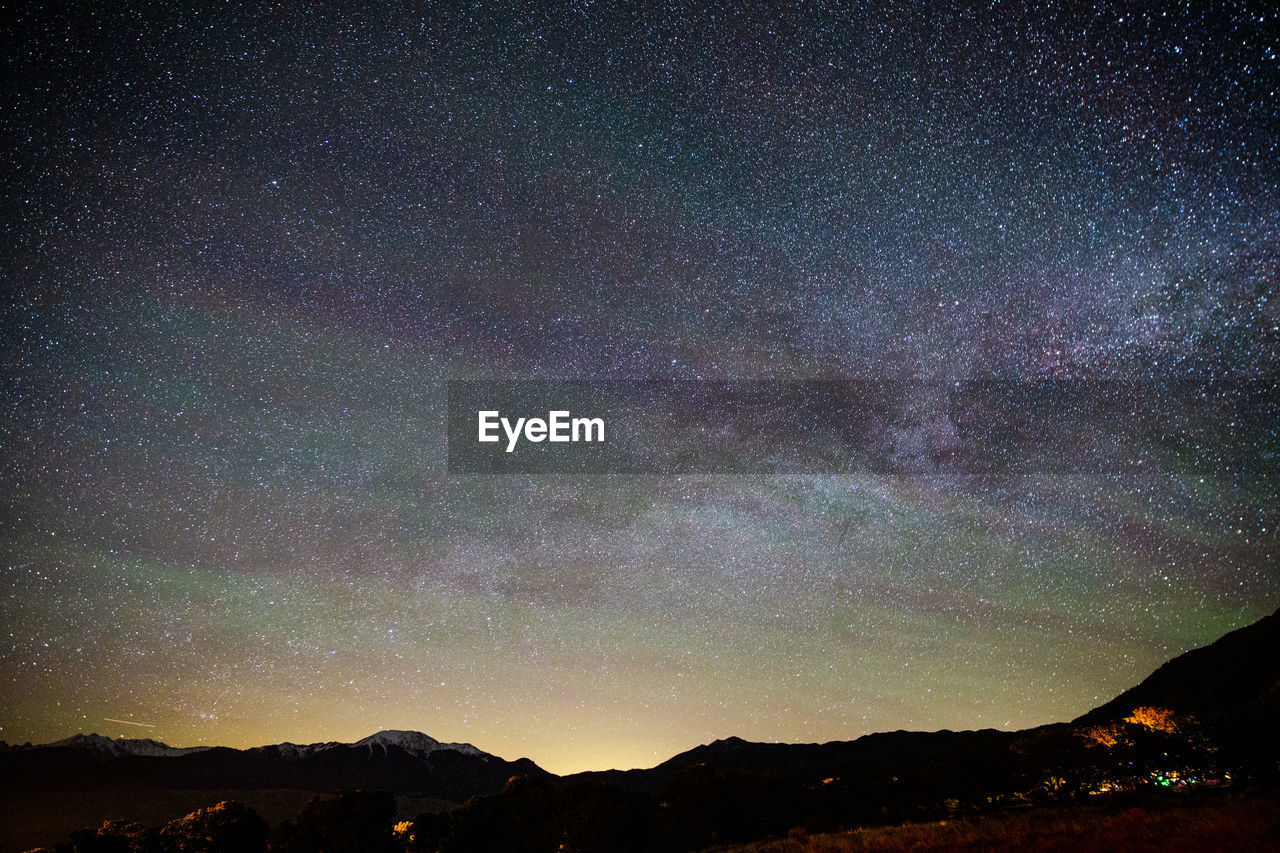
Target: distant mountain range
<point>415,743</point>
<point>1228,690</point>
<point>116,747</point>
<point>406,763</point>
<point>1206,717</point>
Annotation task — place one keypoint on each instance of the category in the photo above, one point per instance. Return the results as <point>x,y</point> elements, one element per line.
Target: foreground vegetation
<point>34,819</point>
<point>359,822</point>
<point>1224,823</point>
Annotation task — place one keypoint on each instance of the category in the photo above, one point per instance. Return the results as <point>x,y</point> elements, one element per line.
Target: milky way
<point>245,249</point>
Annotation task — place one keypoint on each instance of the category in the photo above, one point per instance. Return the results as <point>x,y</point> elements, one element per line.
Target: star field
<point>245,249</point>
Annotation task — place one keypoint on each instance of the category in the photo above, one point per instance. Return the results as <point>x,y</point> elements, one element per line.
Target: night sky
<point>245,248</point>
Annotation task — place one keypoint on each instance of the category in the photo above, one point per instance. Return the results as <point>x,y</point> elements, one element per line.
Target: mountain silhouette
<point>1237,674</point>
<point>901,758</point>
<point>404,763</point>
<point>1232,686</point>
<point>1206,717</point>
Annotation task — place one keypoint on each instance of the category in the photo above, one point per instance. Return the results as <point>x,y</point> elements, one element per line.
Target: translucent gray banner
<point>671,427</point>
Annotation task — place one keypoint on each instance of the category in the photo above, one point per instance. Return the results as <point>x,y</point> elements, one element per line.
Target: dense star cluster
<point>245,247</point>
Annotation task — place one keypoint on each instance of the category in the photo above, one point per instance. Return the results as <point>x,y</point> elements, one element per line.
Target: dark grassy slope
<point>1235,823</point>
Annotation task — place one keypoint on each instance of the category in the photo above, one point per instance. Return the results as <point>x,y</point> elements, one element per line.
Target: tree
<point>228,827</point>
<point>352,822</point>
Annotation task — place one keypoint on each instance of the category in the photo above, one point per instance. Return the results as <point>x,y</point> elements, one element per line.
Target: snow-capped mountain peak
<point>414,743</point>
<point>125,746</point>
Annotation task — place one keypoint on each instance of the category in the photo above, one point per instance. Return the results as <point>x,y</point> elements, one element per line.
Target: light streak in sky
<point>128,723</point>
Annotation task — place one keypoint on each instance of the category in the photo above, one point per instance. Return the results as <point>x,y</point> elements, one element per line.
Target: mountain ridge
<point>1239,668</point>
<point>1235,672</point>
<point>405,763</point>
<point>1204,718</point>
<point>413,742</point>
